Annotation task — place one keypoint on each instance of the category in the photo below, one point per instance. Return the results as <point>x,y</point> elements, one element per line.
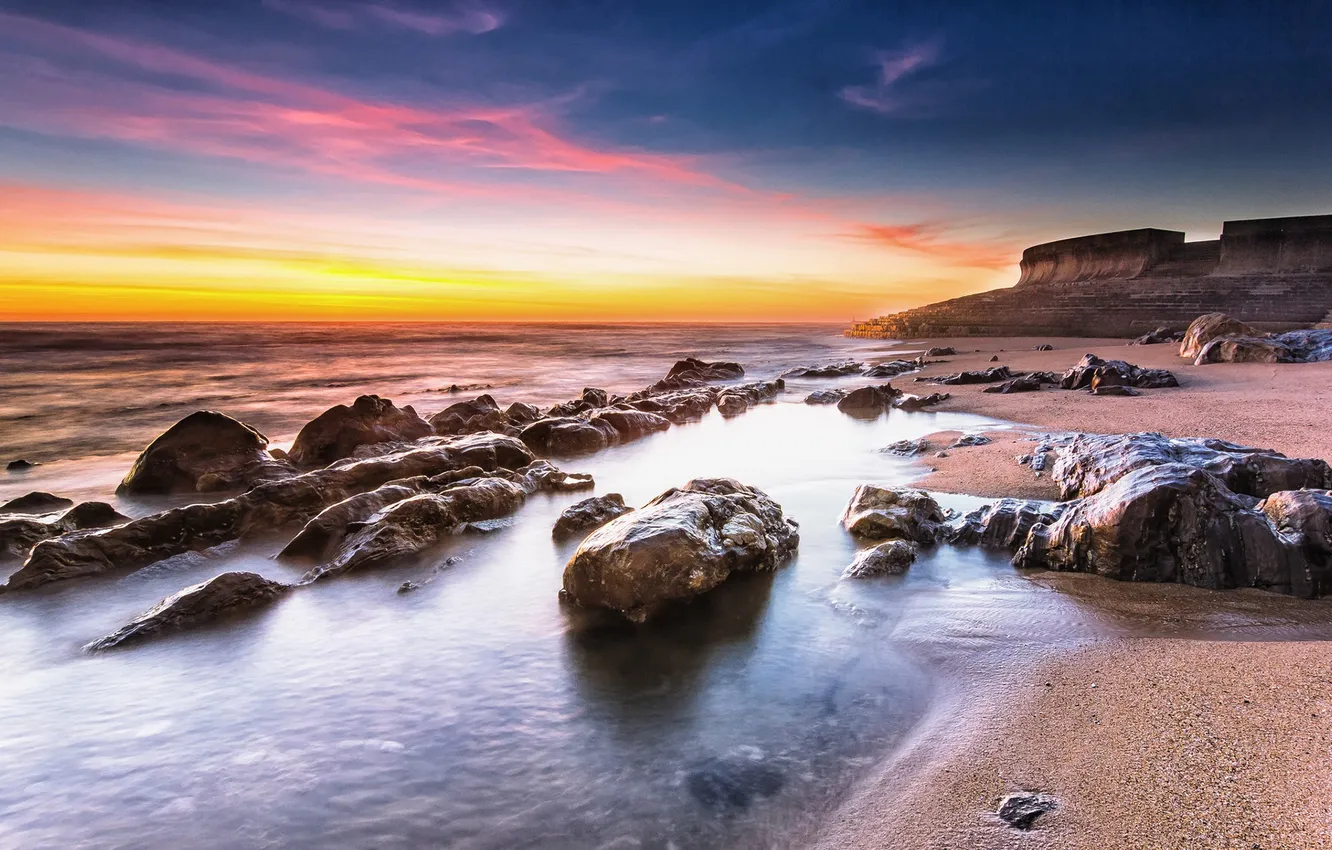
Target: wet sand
<point>1157,742</point>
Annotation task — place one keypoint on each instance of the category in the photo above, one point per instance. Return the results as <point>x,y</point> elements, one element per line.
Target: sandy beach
<point>1158,742</point>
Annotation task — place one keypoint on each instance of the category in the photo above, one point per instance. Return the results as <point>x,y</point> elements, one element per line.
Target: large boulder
<point>887,559</point>
<point>469,417</point>
<point>1091,372</point>
<point>222,595</point>
<point>1244,349</point>
<point>683,543</point>
<point>1208,327</point>
<point>868,401</point>
<point>1091,462</point>
<point>1169,523</point>
<point>204,452</point>
<point>1312,345</point>
<point>589,514</point>
<point>893,512</point>
<point>569,435</point>
<point>339,431</point>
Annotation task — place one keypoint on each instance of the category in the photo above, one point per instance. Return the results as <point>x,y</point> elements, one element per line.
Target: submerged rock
<point>886,559</point>
<point>588,514</point>
<point>19,533</point>
<point>204,452</point>
<point>36,502</point>
<point>202,603</point>
<point>339,431</point>
<point>1020,811</point>
<point>681,544</point>
<point>884,512</point>
<point>868,401</point>
<point>733,782</point>
<point>825,397</point>
<point>1208,327</point>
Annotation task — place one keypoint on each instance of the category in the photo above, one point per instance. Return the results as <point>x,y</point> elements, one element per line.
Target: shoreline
<point>1183,740</point>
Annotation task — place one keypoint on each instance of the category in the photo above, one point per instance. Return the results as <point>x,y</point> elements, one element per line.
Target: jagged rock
<point>681,544</point>
<point>871,400</point>
<point>891,369</point>
<point>202,603</point>
<point>1244,349</point>
<point>969,440</point>
<point>631,424</point>
<point>339,431</point>
<point>692,373</point>
<point>520,413</point>
<point>883,512</point>
<point>266,506</point>
<point>1159,336</point>
<point>1313,345</point>
<point>985,376</point>
<point>1169,523</point>
<point>678,407</point>
<point>1092,462</point>
<point>911,403</point>
<point>887,559</point>
<point>589,514</point>
<point>204,452</point>
<point>469,417</point>
<point>1045,346</point>
<point>19,533</point>
<point>543,477</point>
<point>907,448</point>
<point>1020,811</point>
<point>20,465</point>
<point>825,397</point>
<point>1091,372</point>
<point>1002,525</point>
<point>1113,389</point>
<point>736,400</point>
<point>941,352</point>
<point>36,502</point>
<point>832,370</point>
<point>1021,384</point>
<point>1304,519</point>
<point>1208,327</point>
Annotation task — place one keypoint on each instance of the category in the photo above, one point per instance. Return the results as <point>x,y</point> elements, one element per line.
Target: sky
<point>608,160</point>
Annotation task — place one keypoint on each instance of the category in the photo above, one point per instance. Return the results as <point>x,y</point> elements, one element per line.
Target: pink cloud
<point>883,95</point>
<point>929,239</point>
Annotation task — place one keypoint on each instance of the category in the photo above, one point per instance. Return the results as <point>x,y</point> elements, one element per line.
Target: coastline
<point>1178,741</point>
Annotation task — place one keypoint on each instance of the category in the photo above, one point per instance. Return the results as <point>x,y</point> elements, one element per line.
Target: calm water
<point>475,712</point>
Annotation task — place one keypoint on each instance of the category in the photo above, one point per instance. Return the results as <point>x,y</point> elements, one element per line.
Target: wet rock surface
<point>468,417</point>
<point>831,370</point>
<point>204,452</point>
<point>36,502</point>
<point>983,376</point>
<point>733,782</point>
<point>681,544</point>
<point>732,401</point>
<point>825,397</point>
<point>589,514</point>
<point>1004,524</point>
<point>868,401</point>
<point>880,513</point>
<point>1020,811</point>
<point>907,448</point>
<point>20,532</point>
<point>909,402</point>
<point>890,558</point>
<point>1159,336</point>
<point>223,595</point>
<point>969,440</point>
<point>1305,346</point>
<point>692,373</point>
<point>569,435</point>
<point>337,432</point>
<point>945,351</point>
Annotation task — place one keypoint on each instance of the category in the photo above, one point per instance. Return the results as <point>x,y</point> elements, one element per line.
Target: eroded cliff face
<point>1125,254</point>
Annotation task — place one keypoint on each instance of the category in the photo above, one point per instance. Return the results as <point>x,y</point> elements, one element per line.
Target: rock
<point>20,465</point>
<point>1091,372</point>
<point>1091,462</point>
<point>204,452</point>
<point>911,403</point>
<point>19,533</point>
<point>825,397</point>
<point>871,400</point>
<point>631,424</point>
<point>569,435</point>
<point>986,376</point>
<point>891,369</point>
<point>1045,346</point>
<point>941,453</point>
<point>907,448</point>
<point>1244,349</point>
<point>1169,523</point>
<point>941,352</point>
<point>832,370</point>
<point>994,359</point>
<point>887,559</point>
<point>683,543</point>
<point>968,440</point>
<point>692,372</point>
<point>339,431</point>
<point>469,417</point>
<point>881,512</point>
<point>542,477</point>
<point>522,414</point>
<point>1020,811</point>
<point>36,502</point>
<point>1114,389</point>
<point>733,782</point>
<point>267,506</point>
<point>194,606</point>
<point>1308,346</point>
<point>737,399</point>
<point>1020,384</point>
<point>1304,519</point>
<point>1002,525</point>
<point>1208,327</point>
<point>678,407</point>
<point>1158,336</point>
<point>729,404</point>
<point>589,514</point>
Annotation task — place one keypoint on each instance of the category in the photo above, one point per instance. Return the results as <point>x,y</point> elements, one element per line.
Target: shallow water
<point>477,712</point>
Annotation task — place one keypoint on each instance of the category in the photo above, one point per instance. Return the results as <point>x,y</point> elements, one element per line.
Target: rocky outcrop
<point>1091,372</point>
<point>589,514</point>
<point>1304,519</point>
<point>520,413</point>
<point>910,402</point>
<point>36,502</point>
<point>20,532</point>
<point>223,595</point>
<point>569,435</point>
<point>683,543</point>
<point>631,424</point>
<point>337,432</point>
<point>732,401</point>
<point>831,370</point>
<point>907,448</point>
<point>1028,383</point>
<point>1159,336</point>
<point>880,513</point>
<point>887,559</point>
<point>825,397</point>
<point>1306,346</point>
<point>1091,462</point>
<point>1208,327</point>
<point>868,401</point>
<point>204,452</point>
<point>1004,524</point>
<point>983,376</point>
<point>891,369</point>
<point>470,417</point>
<point>267,506</point>
<point>678,407</point>
<point>692,372</point>
<point>591,399</point>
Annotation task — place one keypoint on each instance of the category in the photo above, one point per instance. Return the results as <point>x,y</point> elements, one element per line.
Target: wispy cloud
<point>932,240</point>
<point>885,95</point>
<point>352,14</point>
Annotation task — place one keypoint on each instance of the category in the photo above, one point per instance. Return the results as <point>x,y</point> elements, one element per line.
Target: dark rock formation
<point>266,506</point>
<point>19,533</point>
<point>1021,384</point>
<point>680,406</point>
<point>735,400</point>
<point>222,595</point>
<point>907,448</point>
<point>339,431</point>
<point>681,544</point>
<point>891,369</point>
<point>943,351</point>
<point>631,424</point>
<point>1208,327</point>
<point>469,417</point>
<point>880,513</point>
<point>692,372</point>
<point>887,559</point>
<point>36,502</point>
<point>918,402</point>
<point>994,358</point>
<point>20,465</point>
<point>1306,346</point>
<point>1304,519</point>
<point>1045,346</point>
<point>1004,524</point>
<point>520,413</point>
<point>204,452</point>
<point>1114,389</point>
<point>825,397</point>
<point>1159,336</point>
<point>1092,462</point>
<point>1091,372</point>
<point>1020,811</point>
<point>985,376</point>
<point>868,401</point>
<point>832,370</point>
<point>969,440</point>
<point>589,514</point>
<point>569,435</point>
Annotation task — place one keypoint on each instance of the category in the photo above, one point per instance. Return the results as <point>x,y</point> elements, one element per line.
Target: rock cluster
<point>1217,338</point>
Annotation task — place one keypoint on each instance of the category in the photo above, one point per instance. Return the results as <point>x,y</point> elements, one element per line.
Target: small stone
<point>1021,810</point>
<point>20,465</point>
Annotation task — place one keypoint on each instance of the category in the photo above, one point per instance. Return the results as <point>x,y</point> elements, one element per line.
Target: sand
<point>1147,742</point>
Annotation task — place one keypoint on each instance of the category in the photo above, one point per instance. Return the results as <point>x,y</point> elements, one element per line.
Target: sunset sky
<point>806,160</point>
